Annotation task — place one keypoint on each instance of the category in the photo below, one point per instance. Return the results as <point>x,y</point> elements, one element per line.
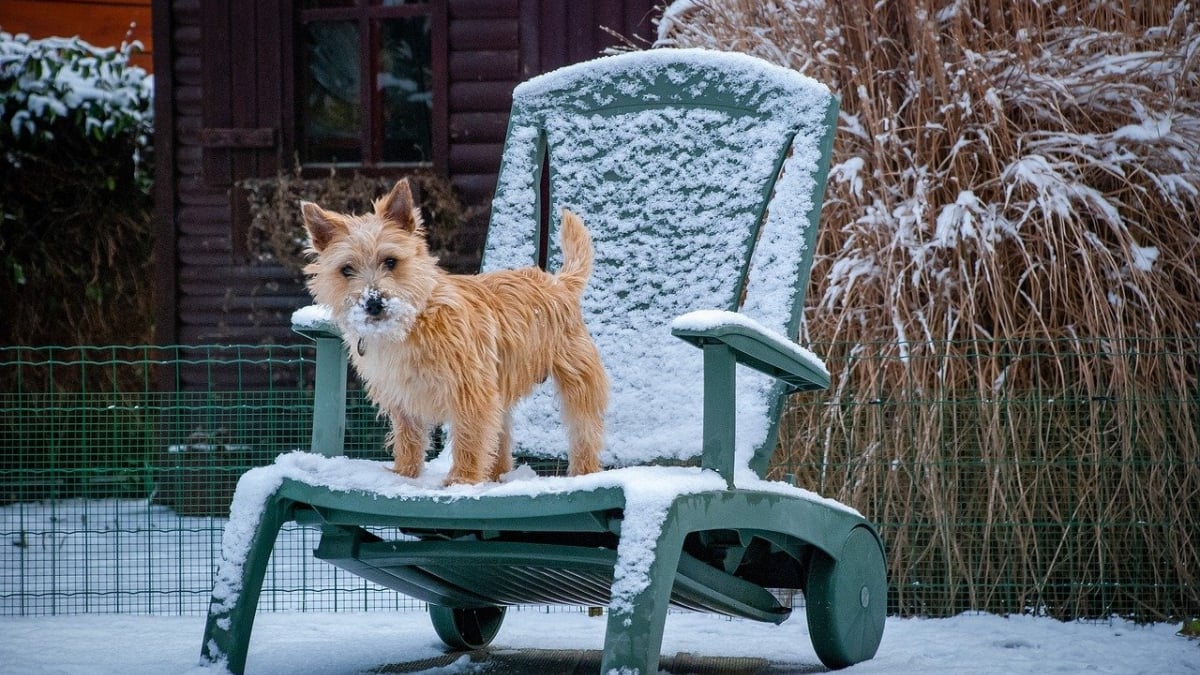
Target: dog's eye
<point>347,271</point>
<point>389,264</point>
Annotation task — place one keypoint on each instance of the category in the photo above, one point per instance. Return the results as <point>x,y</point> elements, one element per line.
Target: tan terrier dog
<point>433,347</point>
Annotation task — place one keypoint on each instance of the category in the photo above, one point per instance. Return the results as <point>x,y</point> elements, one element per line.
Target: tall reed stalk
<point>1007,289</point>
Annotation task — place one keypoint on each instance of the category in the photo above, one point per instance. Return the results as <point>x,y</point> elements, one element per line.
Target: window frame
<point>366,13</point>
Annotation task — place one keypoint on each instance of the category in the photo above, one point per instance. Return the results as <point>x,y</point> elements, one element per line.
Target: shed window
<point>367,82</point>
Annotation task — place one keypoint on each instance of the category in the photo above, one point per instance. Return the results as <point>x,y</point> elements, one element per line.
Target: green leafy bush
<point>75,182</point>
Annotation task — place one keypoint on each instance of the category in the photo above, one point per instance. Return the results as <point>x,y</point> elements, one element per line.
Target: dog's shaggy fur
<point>433,347</point>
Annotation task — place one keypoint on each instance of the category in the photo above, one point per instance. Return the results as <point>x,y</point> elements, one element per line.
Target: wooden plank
<point>238,138</point>
<point>552,29</point>
<point>240,273</point>
<point>479,65</point>
<point>478,127</point>
<point>440,60</point>
<point>581,31</point>
<point>103,24</point>
<point>165,192</point>
<point>247,37</point>
<point>187,38</point>
<point>214,316</point>
<point>476,188</point>
<point>239,302</point>
<point>193,191</point>
<point>611,15</point>
<point>201,225</point>
<point>482,9</point>
<point>203,332</point>
<point>203,249</point>
<point>186,71</point>
<point>494,33</point>
<point>217,59</point>
<point>481,96</point>
<point>475,157</point>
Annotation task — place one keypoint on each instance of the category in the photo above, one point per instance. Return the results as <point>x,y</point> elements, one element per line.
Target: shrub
<point>277,228</point>
<point>1007,282</point>
<point>75,237</point>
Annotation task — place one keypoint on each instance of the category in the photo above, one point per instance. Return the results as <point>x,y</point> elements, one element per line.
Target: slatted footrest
<point>505,573</point>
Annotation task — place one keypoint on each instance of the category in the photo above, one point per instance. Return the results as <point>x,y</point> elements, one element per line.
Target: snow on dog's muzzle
<point>374,314</point>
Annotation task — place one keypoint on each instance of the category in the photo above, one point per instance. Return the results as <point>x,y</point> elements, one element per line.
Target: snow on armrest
<point>754,345</point>
<point>315,321</point>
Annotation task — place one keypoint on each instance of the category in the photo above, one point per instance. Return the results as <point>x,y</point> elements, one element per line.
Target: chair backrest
<point>699,175</point>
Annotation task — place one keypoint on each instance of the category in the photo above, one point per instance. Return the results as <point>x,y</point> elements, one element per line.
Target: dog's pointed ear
<point>323,226</point>
<point>397,207</point>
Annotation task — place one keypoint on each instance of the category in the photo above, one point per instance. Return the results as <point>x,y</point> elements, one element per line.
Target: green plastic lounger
<point>700,175</point>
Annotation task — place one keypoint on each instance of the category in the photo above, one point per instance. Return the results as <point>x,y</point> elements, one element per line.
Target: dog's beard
<point>393,322</point>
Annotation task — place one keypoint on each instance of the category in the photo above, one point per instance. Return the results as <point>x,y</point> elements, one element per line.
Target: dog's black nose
<point>374,305</point>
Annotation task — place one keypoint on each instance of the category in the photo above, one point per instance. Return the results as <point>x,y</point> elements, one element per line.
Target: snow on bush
<point>1012,222</point>
<point>54,86</point>
<point>1008,172</point>
<point>75,183</point>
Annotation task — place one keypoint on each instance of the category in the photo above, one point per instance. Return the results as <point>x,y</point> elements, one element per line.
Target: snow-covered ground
<point>127,556</point>
<point>328,644</point>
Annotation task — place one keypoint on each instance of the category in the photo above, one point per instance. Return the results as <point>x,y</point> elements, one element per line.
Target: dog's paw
<point>408,470</point>
<point>463,478</point>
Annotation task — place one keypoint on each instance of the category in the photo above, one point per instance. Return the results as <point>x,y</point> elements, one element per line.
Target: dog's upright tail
<point>577,252</point>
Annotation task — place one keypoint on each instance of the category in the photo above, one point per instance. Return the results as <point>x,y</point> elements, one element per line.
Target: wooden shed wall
<point>220,66</point>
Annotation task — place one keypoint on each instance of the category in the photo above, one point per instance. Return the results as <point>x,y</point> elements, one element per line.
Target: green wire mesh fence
<point>1059,477</point>
<point>119,463</point>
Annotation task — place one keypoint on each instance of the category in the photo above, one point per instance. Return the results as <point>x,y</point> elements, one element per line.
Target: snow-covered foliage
<point>1016,173</point>
<point>1012,221</point>
<point>53,85</point>
<point>75,182</point>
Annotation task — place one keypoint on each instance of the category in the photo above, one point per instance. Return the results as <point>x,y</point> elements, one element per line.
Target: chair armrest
<point>754,346</point>
<point>315,322</point>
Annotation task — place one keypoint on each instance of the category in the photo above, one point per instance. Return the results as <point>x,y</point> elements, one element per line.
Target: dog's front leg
<point>409,439</point>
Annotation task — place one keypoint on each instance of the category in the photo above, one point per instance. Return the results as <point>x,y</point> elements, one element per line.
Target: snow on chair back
<point>671,158</point>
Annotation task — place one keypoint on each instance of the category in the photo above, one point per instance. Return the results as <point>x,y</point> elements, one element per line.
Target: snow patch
<point>312,316</point>
<point>708,319</point>
<point>1143,257</point>
<point>393,322</point>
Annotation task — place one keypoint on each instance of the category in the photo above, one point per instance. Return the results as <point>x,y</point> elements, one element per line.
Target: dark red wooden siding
<point>104,23</point>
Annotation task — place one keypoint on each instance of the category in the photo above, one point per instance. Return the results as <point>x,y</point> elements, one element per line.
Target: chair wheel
<point>466,628</point>
<point>846,601</point>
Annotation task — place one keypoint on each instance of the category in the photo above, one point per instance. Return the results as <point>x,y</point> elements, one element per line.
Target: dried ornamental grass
<point>1007,287</point>
<point>277,229</point>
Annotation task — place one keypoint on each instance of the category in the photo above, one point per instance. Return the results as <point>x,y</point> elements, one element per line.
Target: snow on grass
<point>352,643</point>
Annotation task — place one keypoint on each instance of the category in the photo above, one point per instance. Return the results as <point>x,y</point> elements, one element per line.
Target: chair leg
<point>634,634</point>
<point>231,613</point>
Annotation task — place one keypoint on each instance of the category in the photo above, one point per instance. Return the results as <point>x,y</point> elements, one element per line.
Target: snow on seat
<point>672,170</point>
